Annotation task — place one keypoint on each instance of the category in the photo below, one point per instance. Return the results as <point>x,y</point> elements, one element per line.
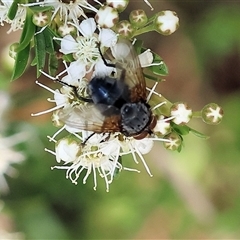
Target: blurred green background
<point>193,194</point>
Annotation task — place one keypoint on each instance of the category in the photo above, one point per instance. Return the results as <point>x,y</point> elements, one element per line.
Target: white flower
<point>62,99</point>
<point>100,153</point>
<point>85,48</point>
<point>95,156</point>
<point>137,148</point>
<point>66,11</point>
<point>18,21</point>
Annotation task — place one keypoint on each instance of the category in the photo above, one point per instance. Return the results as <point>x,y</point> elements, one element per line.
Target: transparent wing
<point>127,62</point>
<point>88,117</point>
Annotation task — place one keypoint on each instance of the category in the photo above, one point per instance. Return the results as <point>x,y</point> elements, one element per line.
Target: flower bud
<point>125,28</point>
<point>138,18</point>
<point>41,19</point>
<point>174,141</point>
<point>67,150</point>
<point>12,50</point>
<point>166,22</point>
<point>107,17</point>
<point>120,5</point>
<point>212,114</point>
<point>66,29</point>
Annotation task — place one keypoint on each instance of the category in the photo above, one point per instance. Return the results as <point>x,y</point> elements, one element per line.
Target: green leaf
<point>40,52</point>
<point>21,62</point>
<point>180,129</point>
<point>40,8</point>
<point>49,46</point>
<point>34,61</point>
<point>27,32</point>
<point>198,134</point>
<point>52,64</point>
<point>150,75</point>
<point>13,9</point>
<point>68,57</point>
<point>161,69</point>
<point>181,145</point>
<point>138,46</point>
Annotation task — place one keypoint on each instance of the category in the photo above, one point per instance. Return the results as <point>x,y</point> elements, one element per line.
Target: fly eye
<point>128,111</point>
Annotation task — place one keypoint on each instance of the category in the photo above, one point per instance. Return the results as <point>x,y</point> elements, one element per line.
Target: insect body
<point>116,104</point>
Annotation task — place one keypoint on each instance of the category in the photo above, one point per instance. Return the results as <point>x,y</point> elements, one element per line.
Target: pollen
<point>87,49</point>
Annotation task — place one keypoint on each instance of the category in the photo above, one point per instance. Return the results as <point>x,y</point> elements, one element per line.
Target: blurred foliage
<point>45,205</point>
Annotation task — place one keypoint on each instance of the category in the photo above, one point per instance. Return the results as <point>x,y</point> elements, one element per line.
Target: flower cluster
<point>107,103</point>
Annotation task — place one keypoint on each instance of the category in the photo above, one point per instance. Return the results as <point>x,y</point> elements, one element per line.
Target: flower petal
<point>68,45</point>
<point>87,27</point>
<point>76,70</point>
<point>107,37</point>
<point>101,70</point>
<point>66,150</point>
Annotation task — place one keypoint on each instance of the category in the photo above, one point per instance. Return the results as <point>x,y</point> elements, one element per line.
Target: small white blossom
<point>100,153</point>
<point>181,113</point>
<point>18,21</point>
<point>62,99</point>
<point>95,155</point>
<point>85,48</point>
<point>66,11</point>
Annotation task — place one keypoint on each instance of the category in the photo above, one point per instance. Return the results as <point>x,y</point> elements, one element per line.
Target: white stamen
<point>158,105</point>
<point>148,3</point>
<point>45,87</point>
<point>131,169</point>
<point>51,139</point>
<point>48,110</point>
<point>55,134</point>
<point>106,180</point>
<point>144,163</point>
<point>94,178</point>
<point>87,174</point>
<point>151,91</point>
<point>50,151</point>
